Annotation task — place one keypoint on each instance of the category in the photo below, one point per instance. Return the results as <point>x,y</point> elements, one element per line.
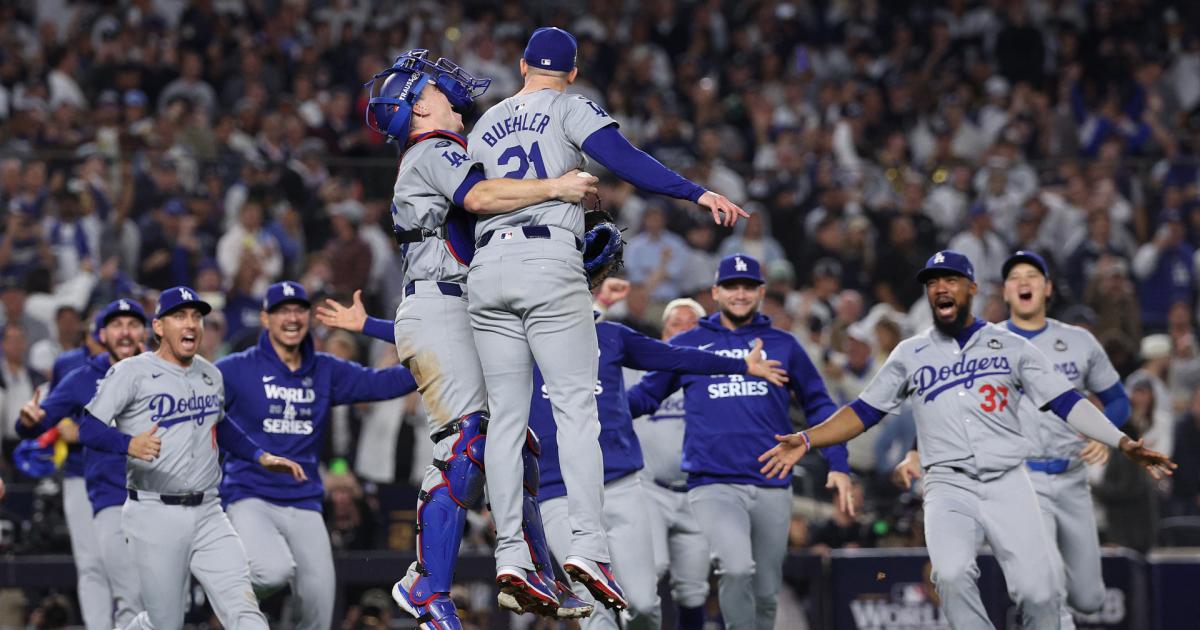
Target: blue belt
<point>1049,466</point>
<point>447,288</point>
<point>680,487</point>
<point>190,499</point>
<point>530,231</point>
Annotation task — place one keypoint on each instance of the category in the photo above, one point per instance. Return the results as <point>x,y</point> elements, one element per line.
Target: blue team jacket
<point>285,413</point>
<point>64,365</point>
<point>103,473</point>
<point>730,421</point>
<point>619,346</point>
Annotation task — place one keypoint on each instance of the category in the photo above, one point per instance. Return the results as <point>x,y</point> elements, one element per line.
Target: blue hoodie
<point>285,413</point>
<point>103,472</point>
<point>730,421</point>
<point>619,346</point>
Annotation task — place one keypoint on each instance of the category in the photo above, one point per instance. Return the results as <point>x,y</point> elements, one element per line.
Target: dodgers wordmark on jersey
<point>966,398</point>
<point>536,136</point>
<point>1079,357</point>
<point>185,403</point>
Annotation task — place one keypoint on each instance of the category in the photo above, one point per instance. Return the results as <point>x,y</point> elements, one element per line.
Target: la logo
<point>123,305</point>
<point>939,259</point>
<point>739,264</point>
<point>185,294</point>
<point>288,290</point>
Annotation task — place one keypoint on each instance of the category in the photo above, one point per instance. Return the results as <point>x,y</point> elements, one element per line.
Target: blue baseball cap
<point>134,98</point>
<point>739,267</point>
<point>176,298</point>
<point>117,308</point>
<point>551,48</point>
<point>283,292</point>
<point>944,263</point>
<point>1023,256</point>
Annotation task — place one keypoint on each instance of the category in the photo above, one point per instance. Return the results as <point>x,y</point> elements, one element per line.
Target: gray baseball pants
<point>288,545</point>
<point>529,301</point>
<point>747,530</point>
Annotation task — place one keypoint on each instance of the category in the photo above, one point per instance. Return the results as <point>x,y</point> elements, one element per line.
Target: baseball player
<point>745,515</point>
<point>679,544</point>
<point>967,381</point>
<point>628,523</point>
<point>94,487</point>
<point>1056,468</point>
<point>279,393</point>
<point>166,407</point>
<point>413,102</point>
<point>529,298</point>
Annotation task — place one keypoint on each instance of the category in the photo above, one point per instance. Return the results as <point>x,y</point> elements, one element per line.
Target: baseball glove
<point>41,456</point>
<point>603,248</point>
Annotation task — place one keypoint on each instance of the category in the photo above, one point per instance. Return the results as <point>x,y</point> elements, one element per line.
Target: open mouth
<point>291,328</point>
<point>1025,295</point>
<point>188,341</point>
<point>944,307</point>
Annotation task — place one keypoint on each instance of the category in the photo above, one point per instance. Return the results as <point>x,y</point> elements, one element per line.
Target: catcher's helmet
<point>394,90</point>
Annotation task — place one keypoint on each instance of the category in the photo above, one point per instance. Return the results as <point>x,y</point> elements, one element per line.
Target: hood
<point>101,361</point>
<point>308,355</point>
<point>755,327</point>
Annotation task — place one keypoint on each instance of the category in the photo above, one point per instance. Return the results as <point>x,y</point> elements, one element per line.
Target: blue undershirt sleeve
<point>1062,405</point>
<point>869,415</point>
<point>233,440</point>
<point>1116,404</point>
<point>610,148</point>
<point>381,329</point>
<point>97,435</point>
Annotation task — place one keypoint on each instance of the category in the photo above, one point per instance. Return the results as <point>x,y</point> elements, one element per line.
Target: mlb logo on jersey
<point>506,235</point>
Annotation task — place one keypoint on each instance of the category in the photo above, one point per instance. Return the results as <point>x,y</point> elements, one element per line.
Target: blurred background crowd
<point>220,143</point>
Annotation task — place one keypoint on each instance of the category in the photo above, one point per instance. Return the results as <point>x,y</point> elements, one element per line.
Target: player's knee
<point>735,568</point>
<point>643,602</point>
<point>955,579</point>
<point>1086,599</point>
<point>689,593</point>
<point>1038,599</point>
<point>269,575</point>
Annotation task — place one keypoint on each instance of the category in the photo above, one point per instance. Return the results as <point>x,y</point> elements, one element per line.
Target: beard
<point>739,320</point>
<point>955,326</point>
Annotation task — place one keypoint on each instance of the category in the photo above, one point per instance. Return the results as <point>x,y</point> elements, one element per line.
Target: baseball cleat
<point>522,592</point>
<point>435,612</point>
<point>599,580</point>
<point>570,606</point>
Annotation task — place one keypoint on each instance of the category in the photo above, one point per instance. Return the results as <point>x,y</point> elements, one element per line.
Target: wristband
<point>807,441</point>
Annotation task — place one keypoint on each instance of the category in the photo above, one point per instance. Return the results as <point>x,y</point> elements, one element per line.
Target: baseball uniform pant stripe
<point>288,545</point>
<point>747,528</point>
<point>530,301</point>
<point>169,541</point>
<point>629,534</point>
<point>962,512</point>
<point>95,597</point>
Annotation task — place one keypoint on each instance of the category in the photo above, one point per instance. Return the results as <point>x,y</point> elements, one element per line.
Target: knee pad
<point>442,509</point>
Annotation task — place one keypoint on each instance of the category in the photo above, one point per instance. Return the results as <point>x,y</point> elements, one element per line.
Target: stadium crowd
<point>220,143</point>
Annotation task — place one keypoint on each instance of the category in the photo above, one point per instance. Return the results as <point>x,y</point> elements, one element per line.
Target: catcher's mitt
<point>603,249</point>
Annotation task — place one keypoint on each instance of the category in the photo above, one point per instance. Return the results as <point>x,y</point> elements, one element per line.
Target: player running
<point>967,380</point>
<point>166,407</point>
<point>679,544</point>
<point>1057,469</point>
<point>108,584</point>
<point>744,514</point>
<point>413,103</point>
<point>279,393</point>
<point>529,299</point>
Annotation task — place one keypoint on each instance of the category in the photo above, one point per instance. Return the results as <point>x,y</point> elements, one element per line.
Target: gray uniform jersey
<point>661,437</point>
<point>536,136</point>
<point>186,403</point>
<point>430,173</point>
<point>1078,356</point>
<point>965,400</point>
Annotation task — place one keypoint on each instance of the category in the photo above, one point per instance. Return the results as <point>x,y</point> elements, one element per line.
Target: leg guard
<point>453,484</point>
<point>569,606</point>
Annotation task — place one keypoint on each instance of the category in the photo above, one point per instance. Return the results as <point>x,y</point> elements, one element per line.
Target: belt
<point>680,486</point>
<point>190,499</point>
<point>958,469</point>
<point>529,232</point>
<point>1049,466</point>
<point>455,427</point>
<point>447,288</point>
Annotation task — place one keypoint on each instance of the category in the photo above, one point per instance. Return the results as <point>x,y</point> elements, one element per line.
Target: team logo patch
<point>506,235</point>
<point>939,259</point>
<point>288,290</point>
<point>206,378</point>
<point>994,344</point>
<point>123,305</point>
<point>739,264</point>
<point>307,382</point>
<point>442,145</point>
<point>1060,345</point>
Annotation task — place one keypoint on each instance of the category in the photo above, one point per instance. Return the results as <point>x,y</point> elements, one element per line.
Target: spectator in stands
<point>1111,295</point>
<point>656,258</point>
<point>13,296</point>
<point>43,352</point>
<point>348,255</point>
<point>248,239</point>
<point>17,382</point>
<point>1185,484</point>
<point>1129,497</point>
<point>1165,271</point>
<point>170,253</point>
<point>753,237</point>
<point>1183,372</point>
